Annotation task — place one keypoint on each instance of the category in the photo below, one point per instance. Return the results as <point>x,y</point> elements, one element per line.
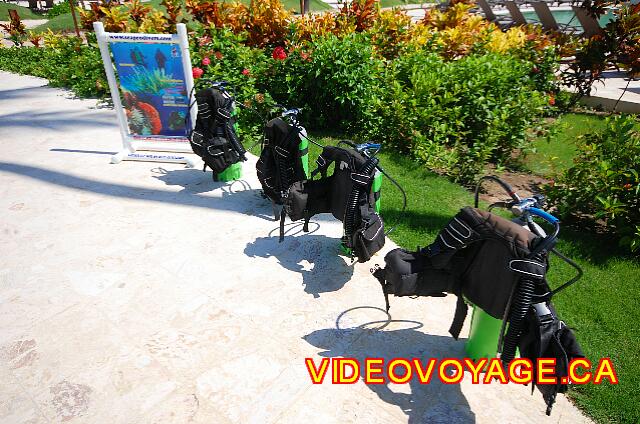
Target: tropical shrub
<point>456,116</point>
<point>153,23</point>
<point>222,56</point>
<point>265,23</point>
<point>617,46</point>
<point>354,16</point>
<point>208,13</point>
<point>334,82</point>
<point>173,12</point>
<point>453,90</point>
<point>358,15</point>
<point>34,38</point>
<point>16,30</point>
<point>59,9</point>
<point>305,28</point>
<point>23,60</point>
<point>65,62</point>
<point>604,181</point>
<point>390,31</point>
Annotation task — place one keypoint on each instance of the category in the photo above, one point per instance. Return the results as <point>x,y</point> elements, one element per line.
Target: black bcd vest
<point>347,194</point>
<point>214,138</point>
<point>485,259</point>
<point>280,162</point>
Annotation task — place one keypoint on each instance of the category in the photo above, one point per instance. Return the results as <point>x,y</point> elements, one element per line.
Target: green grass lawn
<point>555,153</point>
<point>602,307</point>
<point>24,12</point>
<point>60,23</point>
<point>392,3</point>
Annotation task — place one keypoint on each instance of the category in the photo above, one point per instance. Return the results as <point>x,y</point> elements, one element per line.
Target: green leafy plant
<point>222,56</point>
<point>64,61</point>
<point>456,116</point>
<point>335,80</point>
<point>154,22</point>
<point>16,30</point>
<point>35,38</point>
<point>604,182</point>
<point>616,46</point>
<point>137,12</point>
<point>59,9</point>
<point>174,12</point>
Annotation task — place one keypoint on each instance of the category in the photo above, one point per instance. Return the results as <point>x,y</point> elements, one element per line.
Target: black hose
<point>354,200</point>
<point>235,143</point>
<point>283,174</point>
<point>519,308</point>
<point>404,196</point>
<point>574,265</point>
<point>503,184</point>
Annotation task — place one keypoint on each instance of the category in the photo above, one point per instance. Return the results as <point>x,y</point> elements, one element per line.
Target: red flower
<point>218,55</point>
<point>552,100</point>
<point>279,53</point>
<point>627,186</point>
<point>535,70</point>
<point>305,56</point>
<point>206,61</point>
<point>245,71</point>
<point>197,72</point>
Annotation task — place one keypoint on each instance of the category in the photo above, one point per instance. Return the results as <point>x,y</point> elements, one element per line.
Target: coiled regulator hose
<point>283,173</point>
<point>235,143</point>
<point>519,308</point>
<point>354,200</point>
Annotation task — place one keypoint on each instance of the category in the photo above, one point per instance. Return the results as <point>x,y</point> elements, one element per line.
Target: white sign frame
<point>130,143</point>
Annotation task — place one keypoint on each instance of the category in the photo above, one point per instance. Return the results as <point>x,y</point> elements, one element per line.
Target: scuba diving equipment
<point>500,267</point>
<point>214,137</point>
<point>475,246</point>
<point>546,336</point>
<point>347,194</point>
<point>284,157</point>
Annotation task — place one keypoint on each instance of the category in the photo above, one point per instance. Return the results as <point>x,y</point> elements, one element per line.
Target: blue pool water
<point>568,17</point>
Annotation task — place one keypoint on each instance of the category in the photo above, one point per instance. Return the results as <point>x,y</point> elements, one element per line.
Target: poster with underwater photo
<point>153,88</point>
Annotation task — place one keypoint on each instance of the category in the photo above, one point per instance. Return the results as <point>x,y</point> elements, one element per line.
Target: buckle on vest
<point>321,161</point>
<point>360,179</point>
<point>224,114</point>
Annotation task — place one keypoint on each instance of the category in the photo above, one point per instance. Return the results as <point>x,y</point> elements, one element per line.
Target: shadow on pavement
<point>435,402</point>
<point>88,152</point>
<point>314,256</point>
<point>59,121</point>
<point>234,197</point>
<point>195,182</point>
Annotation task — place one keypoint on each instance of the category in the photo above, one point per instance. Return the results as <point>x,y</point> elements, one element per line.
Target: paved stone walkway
<point>617,91</point>
<point>146,293</point>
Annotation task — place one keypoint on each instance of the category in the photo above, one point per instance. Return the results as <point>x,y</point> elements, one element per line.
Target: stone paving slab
<point>147,293</point>
<point>616,91</point>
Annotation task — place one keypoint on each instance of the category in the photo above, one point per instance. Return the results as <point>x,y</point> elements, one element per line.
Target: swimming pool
<point>567,17</point>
